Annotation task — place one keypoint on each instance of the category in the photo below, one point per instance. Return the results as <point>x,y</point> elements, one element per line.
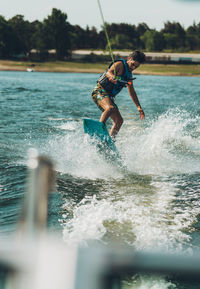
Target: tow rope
<point>107,37</point>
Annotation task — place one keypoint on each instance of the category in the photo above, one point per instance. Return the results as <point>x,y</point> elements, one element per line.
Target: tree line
<point>19,36</point>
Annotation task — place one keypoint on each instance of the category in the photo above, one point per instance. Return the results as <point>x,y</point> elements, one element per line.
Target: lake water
<point>154,204</point>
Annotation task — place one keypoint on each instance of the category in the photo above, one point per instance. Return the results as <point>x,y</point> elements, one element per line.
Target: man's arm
<point>134,97</point>
<point>117,68</point>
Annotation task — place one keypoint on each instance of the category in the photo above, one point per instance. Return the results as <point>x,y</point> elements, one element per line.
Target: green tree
<point>78,37</point>
<point>114,30</point>
<point>153,40</point>
<point>102,40</point>
<point>121,41</point>
<point>171,41</point>
<point>7,39</point>
<point>91,37</point>
<point>174,35</point>
<point>193,37</point>
<point>140,30</point>
<point>57,33</point>
<point>38,39</point>
<point>22,34</point>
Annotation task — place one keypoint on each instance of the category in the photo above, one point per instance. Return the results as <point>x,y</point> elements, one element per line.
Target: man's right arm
<point>115,69</point>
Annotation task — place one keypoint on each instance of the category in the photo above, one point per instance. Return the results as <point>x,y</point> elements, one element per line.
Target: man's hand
<point>113,80</point>
<point>142,115</point>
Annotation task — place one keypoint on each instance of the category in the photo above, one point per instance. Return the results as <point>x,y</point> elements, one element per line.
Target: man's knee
<point>110,109</point>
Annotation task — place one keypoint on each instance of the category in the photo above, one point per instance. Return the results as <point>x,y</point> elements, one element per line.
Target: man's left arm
<point>134,97</point>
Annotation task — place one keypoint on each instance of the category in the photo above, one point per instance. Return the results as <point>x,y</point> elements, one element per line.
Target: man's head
<point>138,56</point>
<point>135,59</point>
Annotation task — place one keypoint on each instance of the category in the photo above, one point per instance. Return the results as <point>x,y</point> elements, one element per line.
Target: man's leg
<point>108,108</point>
<point>113,113</point>
<point>118,121</point>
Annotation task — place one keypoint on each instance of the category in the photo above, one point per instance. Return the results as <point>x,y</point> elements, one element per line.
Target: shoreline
<point>80,67</point>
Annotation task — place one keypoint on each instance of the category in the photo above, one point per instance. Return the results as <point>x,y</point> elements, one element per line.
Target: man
<point>110,83</point>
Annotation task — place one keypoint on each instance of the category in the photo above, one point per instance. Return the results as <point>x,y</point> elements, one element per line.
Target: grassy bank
<point>59,66</point>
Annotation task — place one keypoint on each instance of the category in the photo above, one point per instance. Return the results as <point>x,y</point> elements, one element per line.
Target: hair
<point>138,56</point>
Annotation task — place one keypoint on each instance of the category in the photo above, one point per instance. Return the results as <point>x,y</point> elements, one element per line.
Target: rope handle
<point>126,82</point>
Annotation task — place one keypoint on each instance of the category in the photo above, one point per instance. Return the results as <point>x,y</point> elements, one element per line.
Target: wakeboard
<point>98,131</point>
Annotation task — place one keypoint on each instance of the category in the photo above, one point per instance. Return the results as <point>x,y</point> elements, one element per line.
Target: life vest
<point>111,88</point>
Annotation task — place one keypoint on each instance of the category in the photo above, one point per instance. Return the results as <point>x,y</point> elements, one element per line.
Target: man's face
<point>133,64</point>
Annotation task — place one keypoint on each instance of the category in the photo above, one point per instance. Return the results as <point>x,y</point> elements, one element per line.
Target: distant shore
<point>80,67</point>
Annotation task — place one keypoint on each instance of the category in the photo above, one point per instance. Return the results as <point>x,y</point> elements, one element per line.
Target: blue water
<point>153,204</point>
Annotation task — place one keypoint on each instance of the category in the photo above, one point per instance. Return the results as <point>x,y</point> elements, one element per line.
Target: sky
<point>86,12</point>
